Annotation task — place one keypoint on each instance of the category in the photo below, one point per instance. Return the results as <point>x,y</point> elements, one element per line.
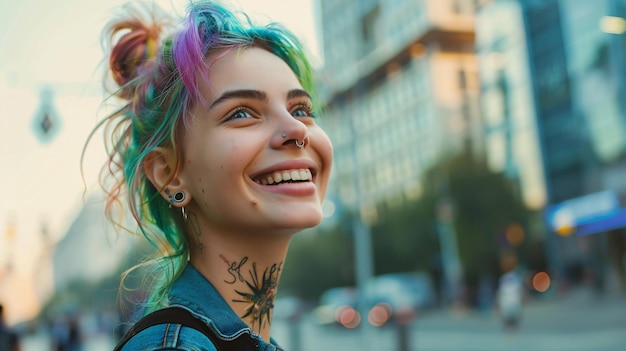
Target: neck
<point>245,270</point>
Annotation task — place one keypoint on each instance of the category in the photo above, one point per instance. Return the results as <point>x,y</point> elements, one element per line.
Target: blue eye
<point>239,113</point>
<point>302,110</point>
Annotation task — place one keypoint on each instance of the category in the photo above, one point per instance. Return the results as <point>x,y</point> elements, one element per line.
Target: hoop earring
<point>178,196</point>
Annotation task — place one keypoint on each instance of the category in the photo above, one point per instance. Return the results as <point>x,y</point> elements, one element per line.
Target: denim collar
<point>194,292</point>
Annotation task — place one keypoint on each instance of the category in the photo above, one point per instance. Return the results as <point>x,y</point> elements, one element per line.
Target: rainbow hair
<point>156,67</point>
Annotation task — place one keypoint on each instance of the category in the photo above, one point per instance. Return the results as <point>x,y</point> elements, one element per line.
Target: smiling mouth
<point>286,176</point>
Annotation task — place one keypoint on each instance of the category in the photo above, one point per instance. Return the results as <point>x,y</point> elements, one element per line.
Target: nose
<point>290,132</point>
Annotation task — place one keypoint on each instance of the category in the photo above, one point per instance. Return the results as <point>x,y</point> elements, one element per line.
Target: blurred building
<point>552,76</point>
<point>400,90</point>
<point>90,250</point>
<point>512,140</point>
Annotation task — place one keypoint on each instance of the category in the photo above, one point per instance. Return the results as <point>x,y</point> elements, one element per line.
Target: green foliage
<point>485,204</point>
<point>318,260</point>
<point>404,239</point>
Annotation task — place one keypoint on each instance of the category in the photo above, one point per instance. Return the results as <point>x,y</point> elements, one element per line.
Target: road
<point>575,322</point>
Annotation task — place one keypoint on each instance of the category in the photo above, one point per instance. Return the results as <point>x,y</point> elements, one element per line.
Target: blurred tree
<point>490,219</point>
<point>487,204</point>
<point>404,238</point>
<point>318,260</point>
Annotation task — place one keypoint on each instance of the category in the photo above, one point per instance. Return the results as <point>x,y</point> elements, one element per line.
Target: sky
<point>52,48</point>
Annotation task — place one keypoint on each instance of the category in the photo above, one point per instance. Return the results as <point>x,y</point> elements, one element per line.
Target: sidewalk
<point>575,310</point>
<point>576,321</point>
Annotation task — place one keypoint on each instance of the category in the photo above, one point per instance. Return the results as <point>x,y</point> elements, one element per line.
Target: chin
<point>302,221</point>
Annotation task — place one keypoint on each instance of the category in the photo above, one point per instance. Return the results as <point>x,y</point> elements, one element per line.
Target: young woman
<point>217,150</point>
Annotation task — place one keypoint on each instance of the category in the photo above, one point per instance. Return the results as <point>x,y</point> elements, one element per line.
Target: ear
<point>162,170</point>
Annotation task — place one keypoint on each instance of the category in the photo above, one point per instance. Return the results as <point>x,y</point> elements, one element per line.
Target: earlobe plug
<point>178,196</point>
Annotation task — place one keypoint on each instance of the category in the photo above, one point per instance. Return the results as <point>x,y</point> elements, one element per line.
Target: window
<point>462,79</point>
<point>368,28</point>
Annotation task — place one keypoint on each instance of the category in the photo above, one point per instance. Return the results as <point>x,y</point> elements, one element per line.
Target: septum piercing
<point>301,145</point>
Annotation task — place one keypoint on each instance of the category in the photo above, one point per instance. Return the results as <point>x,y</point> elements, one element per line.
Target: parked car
<point>398,295</point>
<point>338,306</point>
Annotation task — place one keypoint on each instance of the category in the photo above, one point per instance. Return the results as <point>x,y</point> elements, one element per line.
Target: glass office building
<point>512,139</point>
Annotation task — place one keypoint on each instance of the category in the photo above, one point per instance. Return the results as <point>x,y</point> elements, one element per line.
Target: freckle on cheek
<point>188,161</point>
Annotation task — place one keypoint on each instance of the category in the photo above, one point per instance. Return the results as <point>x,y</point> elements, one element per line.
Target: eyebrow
<point>244,93</point>
<point>297,93</point>
<point>256,95</point>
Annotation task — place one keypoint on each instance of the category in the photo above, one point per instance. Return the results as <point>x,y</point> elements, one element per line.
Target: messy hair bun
<point>135,47</point>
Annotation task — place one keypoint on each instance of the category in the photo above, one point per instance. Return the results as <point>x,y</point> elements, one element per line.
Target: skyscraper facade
<point>400,91</point>
<point>512,135</point>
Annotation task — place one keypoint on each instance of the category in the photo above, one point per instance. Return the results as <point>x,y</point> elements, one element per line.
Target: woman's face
<point>244,134</point>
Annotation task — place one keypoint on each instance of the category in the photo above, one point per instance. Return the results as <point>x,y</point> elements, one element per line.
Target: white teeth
<point>294,174</point>
<point>278,177</point>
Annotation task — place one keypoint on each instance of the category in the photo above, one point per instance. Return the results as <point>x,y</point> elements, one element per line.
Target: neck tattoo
<point>259,292</point>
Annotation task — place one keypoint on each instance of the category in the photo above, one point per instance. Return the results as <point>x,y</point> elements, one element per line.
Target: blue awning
<point>603,225</point>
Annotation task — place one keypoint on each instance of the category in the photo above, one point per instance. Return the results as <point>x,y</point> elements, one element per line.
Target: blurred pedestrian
<point>510,299</point>
<point>59,335</point>
<point>218,150</point>
<point>74,336</point>
<point>9,338</point>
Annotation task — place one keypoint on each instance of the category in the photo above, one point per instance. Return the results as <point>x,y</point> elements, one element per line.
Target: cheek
<point>325,149</point>
<point>216,168</point>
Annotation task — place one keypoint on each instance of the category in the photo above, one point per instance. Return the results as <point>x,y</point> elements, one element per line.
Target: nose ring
<point>303,142</point>
<point>284,135</point>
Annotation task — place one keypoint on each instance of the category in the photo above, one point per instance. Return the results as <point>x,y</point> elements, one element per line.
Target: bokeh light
<point>515,234</point>
<point>379,314</point>
<point>541,282</point>
<point>613,25</point>
<point>348,317</point>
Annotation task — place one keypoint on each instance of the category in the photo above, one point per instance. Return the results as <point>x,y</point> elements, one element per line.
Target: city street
<point>576,322</point>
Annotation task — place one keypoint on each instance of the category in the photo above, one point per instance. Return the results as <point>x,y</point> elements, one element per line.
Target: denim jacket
<point>194,292</point>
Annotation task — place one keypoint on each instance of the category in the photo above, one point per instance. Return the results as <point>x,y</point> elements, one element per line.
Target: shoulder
<point>169,336</point>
